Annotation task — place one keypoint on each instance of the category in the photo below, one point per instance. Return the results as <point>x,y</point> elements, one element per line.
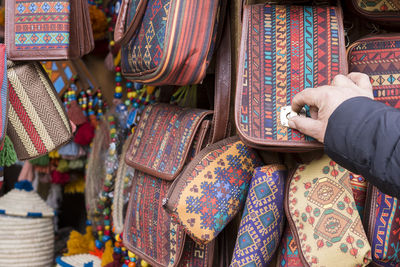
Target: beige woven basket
<point>80,260</point>
<point>121,189</point>
<point>26,230</point>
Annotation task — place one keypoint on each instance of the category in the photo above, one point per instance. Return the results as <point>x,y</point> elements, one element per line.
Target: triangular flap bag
<point>284,50</point>
<point>323,216</point>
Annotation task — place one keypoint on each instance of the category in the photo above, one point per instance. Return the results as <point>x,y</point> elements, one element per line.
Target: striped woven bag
<point>37,121</point>
<point>3,101</point>
<point>168,42</point>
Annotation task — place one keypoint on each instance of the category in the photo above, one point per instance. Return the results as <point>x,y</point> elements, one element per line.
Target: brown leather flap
<point>163,139</point>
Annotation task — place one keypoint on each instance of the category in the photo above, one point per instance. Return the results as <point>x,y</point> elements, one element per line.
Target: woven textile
<point>383,225</point>
<point>195,254</point>
<point>149,231</point>
<point>288,253</point>
<point>323,216</point>
<point>174,42</point>
<point>212,188</point>
<point>3,92</point>
<point>41,24</point>
<point>163,139</point>
<point>262,222</point>
<point>284,50</point>
<point>37,122</point>
<point>378,57</point>
<point>359,186</point>
<point>379,5</point>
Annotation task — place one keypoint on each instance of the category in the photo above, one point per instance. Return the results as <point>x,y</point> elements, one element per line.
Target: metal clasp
<point>287,113</point>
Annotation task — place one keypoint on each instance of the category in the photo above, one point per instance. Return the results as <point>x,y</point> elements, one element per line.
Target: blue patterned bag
<point>263,218</point>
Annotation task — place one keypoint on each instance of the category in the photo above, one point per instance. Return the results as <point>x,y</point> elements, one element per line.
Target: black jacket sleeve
<point>363,136</point>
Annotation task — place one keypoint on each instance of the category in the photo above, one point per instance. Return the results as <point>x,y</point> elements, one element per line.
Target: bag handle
<point>222,94</point>
<point>121,35</point>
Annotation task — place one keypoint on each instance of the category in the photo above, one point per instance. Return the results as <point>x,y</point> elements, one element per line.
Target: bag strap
<point>222,94</point>
<point>121,35</point>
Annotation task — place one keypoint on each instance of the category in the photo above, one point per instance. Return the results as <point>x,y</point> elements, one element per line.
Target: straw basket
<point>81,260</point>
<point>26,228</point>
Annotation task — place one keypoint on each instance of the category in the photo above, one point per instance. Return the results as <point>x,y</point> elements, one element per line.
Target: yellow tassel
<point>89,238</point>
<point>107,254</point>
<point>54,154</point>
<point>62,166</point>
<point>76,186</point>
<point>117,59</point>
<point>76,244</point>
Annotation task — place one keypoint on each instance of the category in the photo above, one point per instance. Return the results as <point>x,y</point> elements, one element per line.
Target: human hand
<point>325,99</point>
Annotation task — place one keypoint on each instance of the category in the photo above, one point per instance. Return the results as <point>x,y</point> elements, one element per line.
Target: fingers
<point>308,126</point>
<point>361,80</point>
<point>308,97</point>
<point>342,81</point>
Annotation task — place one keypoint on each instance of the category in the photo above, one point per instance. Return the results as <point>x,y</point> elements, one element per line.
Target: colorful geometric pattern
<point>263,218</point>
<point>284,50</point>
<point>378,57</point>
<point>213,188</point>
<point>288,252</point>
<point>323,212</point>
<point>196,254</point>
<point>60,74</point>
<point>3,93</point>
<point>41,25</point>
<point>173,44</point>
<point>378,5</point>
<point>359,186</point>
<point>37,122</point>
<point>163,138</point>
<point>384,228</point>
<point>149,231</point>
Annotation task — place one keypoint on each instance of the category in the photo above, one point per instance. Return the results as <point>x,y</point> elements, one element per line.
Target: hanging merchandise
<point>32,99</point>
<point>323,216</point>
<point>303,47</point>
<point>6,150</point>
<point>263,219</point>
<point>381,11</point>
<point>180,40</point>
<point>60,73</point>
<point>26,228</point>
<point>59,30</point>
<point>80,260</point>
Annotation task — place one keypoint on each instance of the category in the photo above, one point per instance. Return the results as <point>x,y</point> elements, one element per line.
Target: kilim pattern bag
<point>263,218</point>
<point>169,41</point>
<point>359,186</point>
<point>288,253</point>
<point>158,151</point>
<point>323,216</point>
<point>48,30</point>
<point>382,220</point>
<point>37,122</point>
<point>387,11</point>
<point>212,189</point>
<point>284,50</point>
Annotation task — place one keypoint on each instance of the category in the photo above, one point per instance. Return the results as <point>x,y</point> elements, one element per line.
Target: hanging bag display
<point>381,11</point>
<point>284,50</point>
<point>323,216</point>
<point>48,30</point>
<point>37,121</point>
<point>168,42</point>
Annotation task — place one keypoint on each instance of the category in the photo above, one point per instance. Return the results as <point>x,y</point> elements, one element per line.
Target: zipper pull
<point>164,201</point>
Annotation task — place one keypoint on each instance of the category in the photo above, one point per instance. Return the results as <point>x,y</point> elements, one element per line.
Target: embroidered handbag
<point>288,253</point>
<point>167,42</point>
<point>323,216</point>
<point>382,221</point>
<point>381,11</point>
<point>158,151</point>
<point>263,218</point>
<point>37,121</point>
<point>212,189</point>
<point>48,30</point>
<point>284,50</point>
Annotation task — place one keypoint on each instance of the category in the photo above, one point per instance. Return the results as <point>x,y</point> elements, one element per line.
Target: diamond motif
<point>325,193</point>
<point>332,225</point>
<point>32,7</point>
<point>267,218</point>
<point>46,7</point>
<point>21,8</point>
<point>245,240</point>
<point>262,190</point>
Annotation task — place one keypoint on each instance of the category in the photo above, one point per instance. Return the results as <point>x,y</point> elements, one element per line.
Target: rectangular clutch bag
<point>284,50</point>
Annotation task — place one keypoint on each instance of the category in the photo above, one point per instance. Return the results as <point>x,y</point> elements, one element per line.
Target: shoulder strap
<point>222,95</point>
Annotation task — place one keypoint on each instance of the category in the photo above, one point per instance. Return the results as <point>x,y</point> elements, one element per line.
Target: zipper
<point>292,225</point>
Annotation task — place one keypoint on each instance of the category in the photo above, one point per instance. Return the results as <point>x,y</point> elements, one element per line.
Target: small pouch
<point>212,188</point>
<point>284,50</point>
<point>323,216</point>
<point>159,149</point>
<point>263,218</point>
<point>381,11</point>
<point>382,220</point>
<point>288,253</point>
<point>37,121</point>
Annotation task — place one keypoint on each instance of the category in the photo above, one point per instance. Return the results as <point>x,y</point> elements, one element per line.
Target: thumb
<point>307,126</point>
